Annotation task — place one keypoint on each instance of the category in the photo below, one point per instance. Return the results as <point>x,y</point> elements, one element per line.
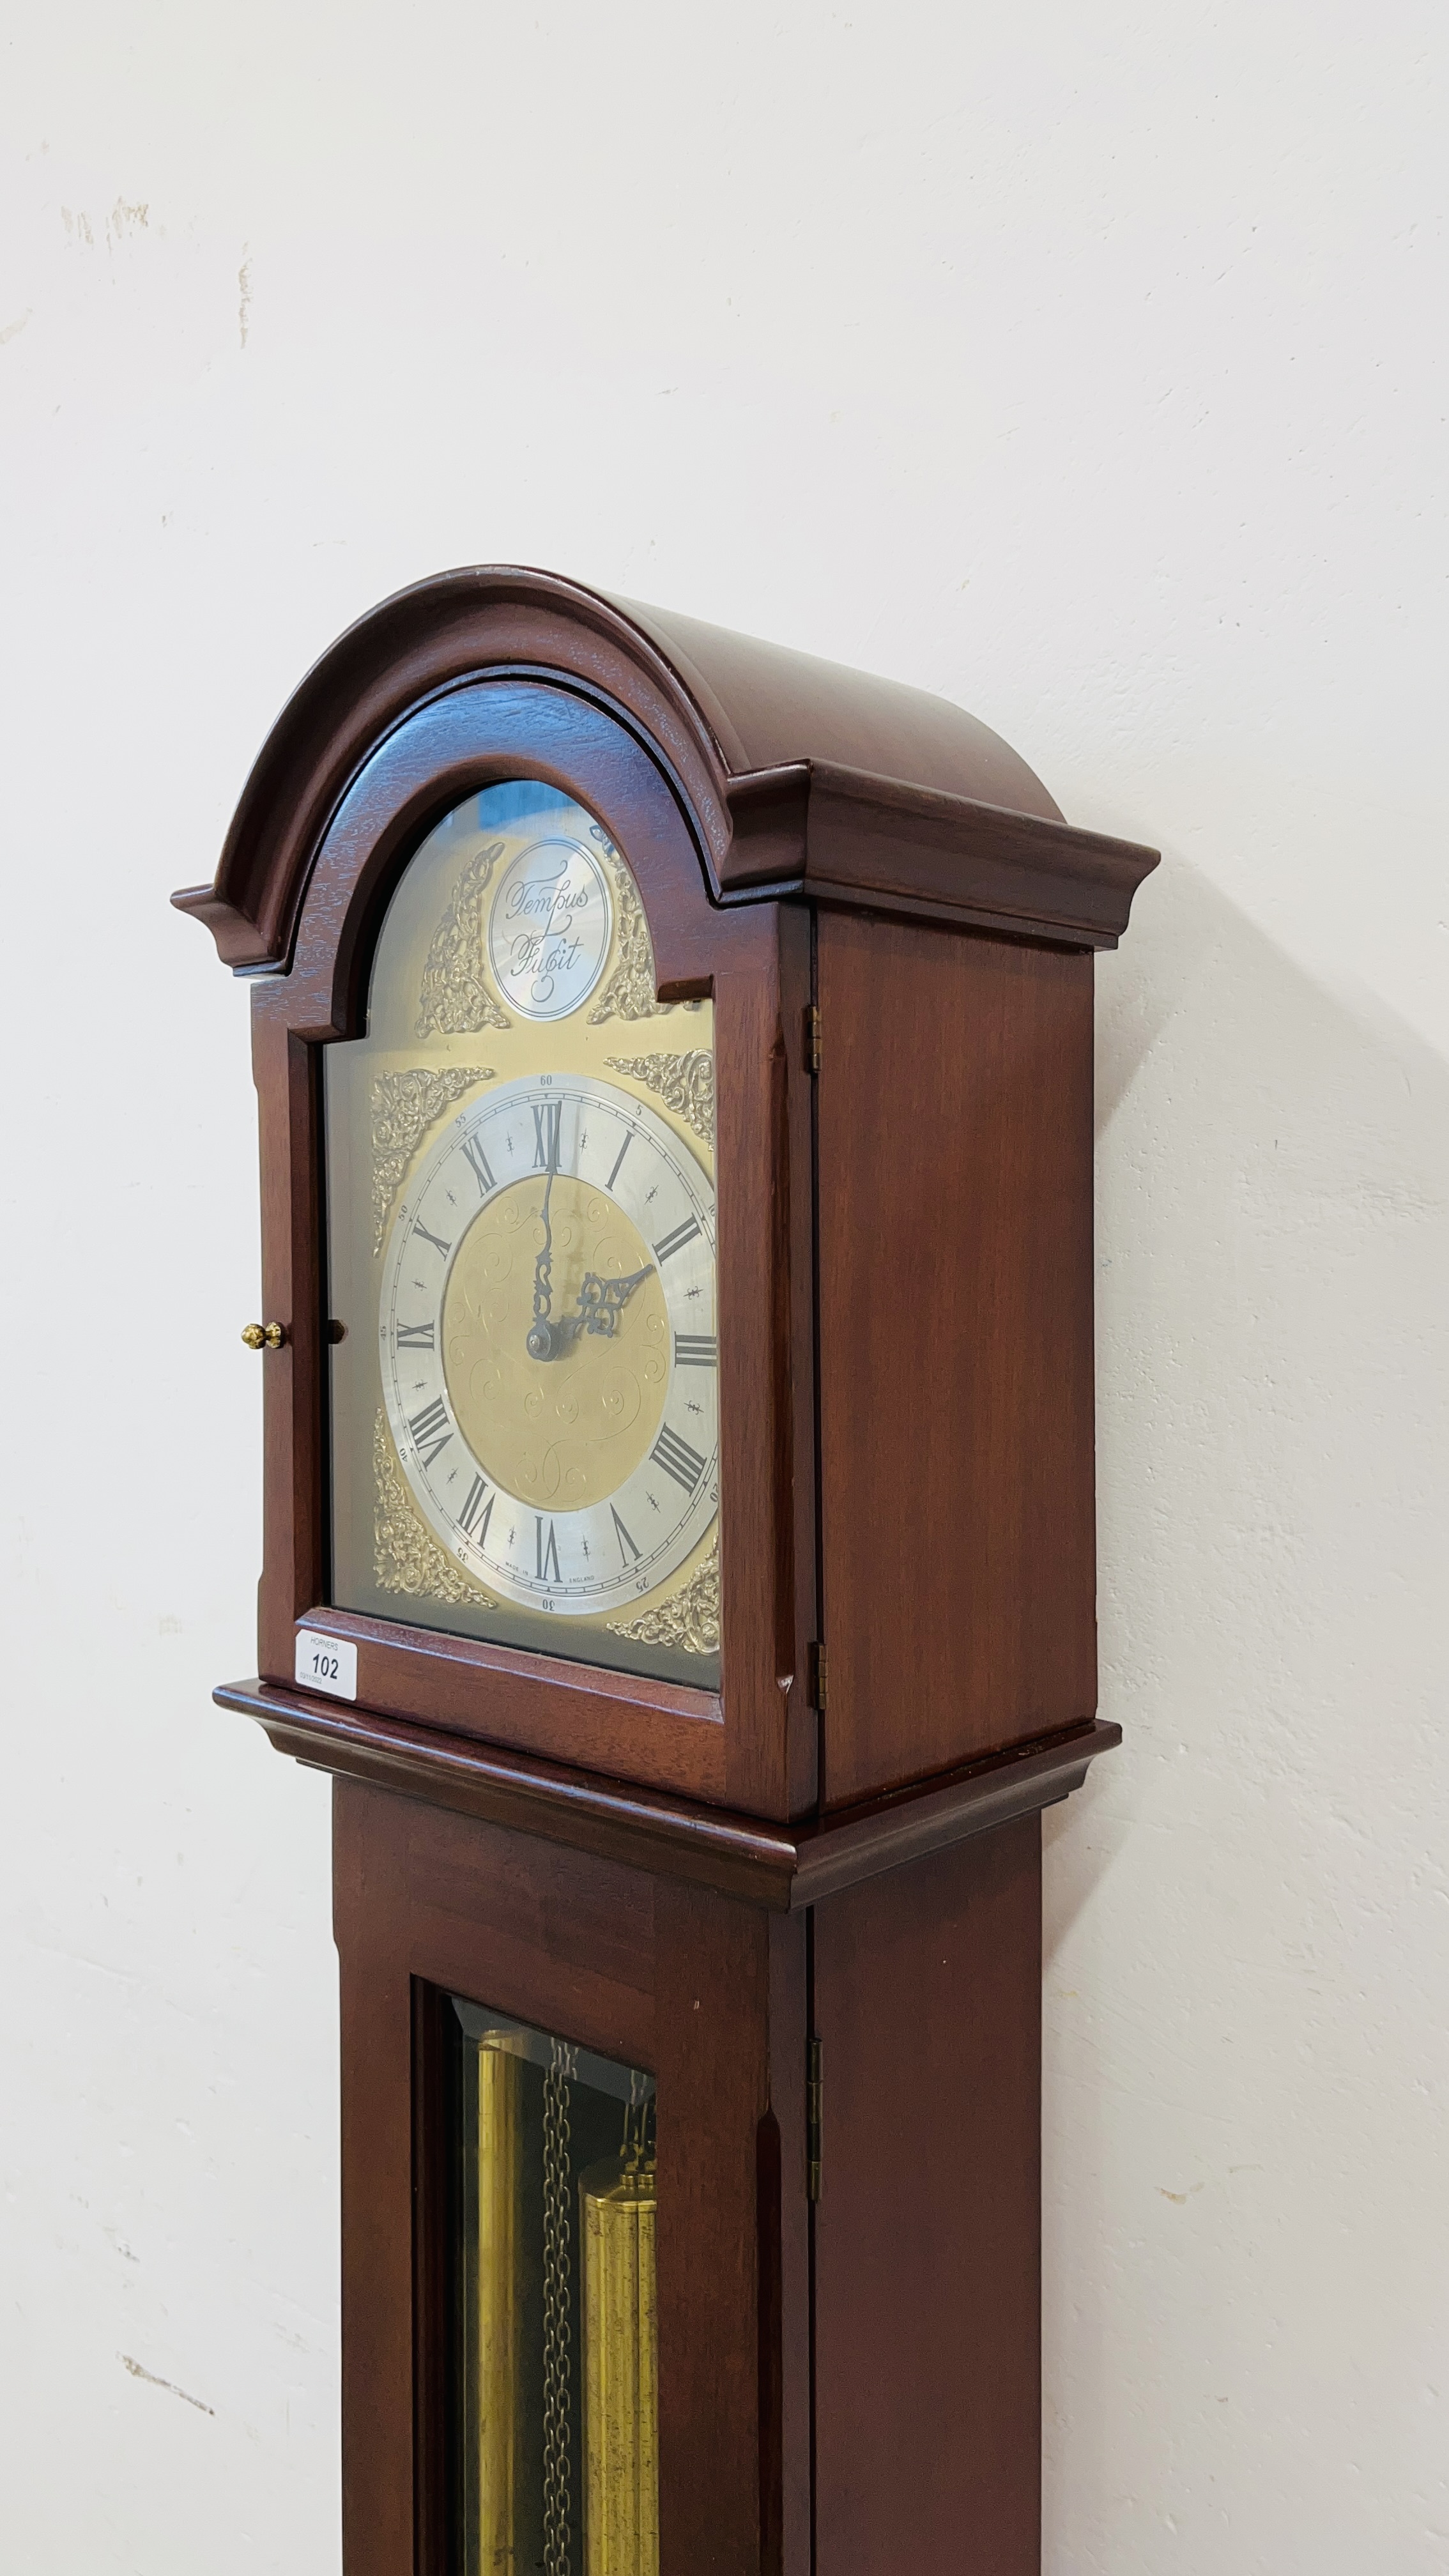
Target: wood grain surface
<point>927,2003</point>
<point>956,1432</point>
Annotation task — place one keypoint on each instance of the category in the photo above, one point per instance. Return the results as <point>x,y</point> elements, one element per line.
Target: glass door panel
<point>558,2342</point>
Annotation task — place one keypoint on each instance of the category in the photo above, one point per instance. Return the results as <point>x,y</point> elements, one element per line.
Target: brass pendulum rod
<point>495,2322</point>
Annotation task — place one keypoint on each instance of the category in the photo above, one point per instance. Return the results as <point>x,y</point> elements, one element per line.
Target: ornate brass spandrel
<point>685,1084</point>
<point>688,1618</point>
<point>630,993</point>
<point>406,1556</point>
<point>404,1107</point>
<point>455,999</point>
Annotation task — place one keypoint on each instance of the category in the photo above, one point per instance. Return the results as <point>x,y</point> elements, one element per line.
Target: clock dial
<point>547,1343</point>
<point>524,1433</point>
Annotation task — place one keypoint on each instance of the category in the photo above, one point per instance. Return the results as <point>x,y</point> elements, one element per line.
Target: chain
<point>632,2141</point>
<point>638,2150</point>
<point>557,2305</point>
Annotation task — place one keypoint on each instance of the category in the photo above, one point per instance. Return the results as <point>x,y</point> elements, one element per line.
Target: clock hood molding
<point>793,771</point>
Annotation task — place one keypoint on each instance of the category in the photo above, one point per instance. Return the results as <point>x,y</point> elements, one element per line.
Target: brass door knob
<point>264,1337</point>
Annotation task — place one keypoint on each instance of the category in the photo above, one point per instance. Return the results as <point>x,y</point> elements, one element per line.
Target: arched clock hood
<point>797,776</point>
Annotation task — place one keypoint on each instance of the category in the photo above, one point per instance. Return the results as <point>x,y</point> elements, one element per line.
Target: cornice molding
<point>800,777</point>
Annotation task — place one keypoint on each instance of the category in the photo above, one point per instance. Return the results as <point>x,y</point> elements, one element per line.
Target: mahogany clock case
<point>896,930</point>
<point>801,1910</point>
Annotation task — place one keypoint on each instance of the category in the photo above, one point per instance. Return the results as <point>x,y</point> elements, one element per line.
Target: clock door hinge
<point>817,1676</point>
<point>813,2103</point>
<point>812,1037</point>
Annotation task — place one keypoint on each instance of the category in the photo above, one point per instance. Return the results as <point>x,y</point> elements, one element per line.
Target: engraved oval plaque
<point>549,927</point>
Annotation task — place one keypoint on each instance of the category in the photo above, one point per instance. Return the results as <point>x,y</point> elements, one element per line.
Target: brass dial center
<point>567,1431</point>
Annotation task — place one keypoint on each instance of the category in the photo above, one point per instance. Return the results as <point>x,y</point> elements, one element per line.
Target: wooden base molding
<point>782,1867</point>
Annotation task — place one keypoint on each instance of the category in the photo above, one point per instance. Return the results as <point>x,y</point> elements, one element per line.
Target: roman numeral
<point>444,1248</point>
<point>676,1241</point>
<point>477,1510</point>
<point>545,1550</point>
<point>546,1116</point>
<point>696,1350</point>
<point>619,1158</point>
<point>479,1161</point>
<point>415,1337</point>
<point>677,1459</point>
<point>628,1552</point>
<point>431,1430</point>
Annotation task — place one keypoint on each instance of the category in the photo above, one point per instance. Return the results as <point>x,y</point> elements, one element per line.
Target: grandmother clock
<point>675,1073</point>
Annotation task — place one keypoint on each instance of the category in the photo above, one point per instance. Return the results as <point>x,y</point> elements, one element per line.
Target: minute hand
<point>543,1336</point>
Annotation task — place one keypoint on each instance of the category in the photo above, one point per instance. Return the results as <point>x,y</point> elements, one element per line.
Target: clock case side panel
<point>709,1996</point>
<point>926,2001</point>
<point>754,1745</point>
<point>956,1347</point>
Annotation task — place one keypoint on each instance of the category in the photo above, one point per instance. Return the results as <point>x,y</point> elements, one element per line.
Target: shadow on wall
<point>1273,1376</point>
<point>1246,1931</point>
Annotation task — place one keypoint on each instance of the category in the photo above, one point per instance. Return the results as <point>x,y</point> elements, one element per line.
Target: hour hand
<point>601,1300</point>
<point>600,1304</point>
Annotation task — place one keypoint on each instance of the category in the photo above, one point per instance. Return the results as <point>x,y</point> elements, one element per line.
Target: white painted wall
<point>1085,365</point>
